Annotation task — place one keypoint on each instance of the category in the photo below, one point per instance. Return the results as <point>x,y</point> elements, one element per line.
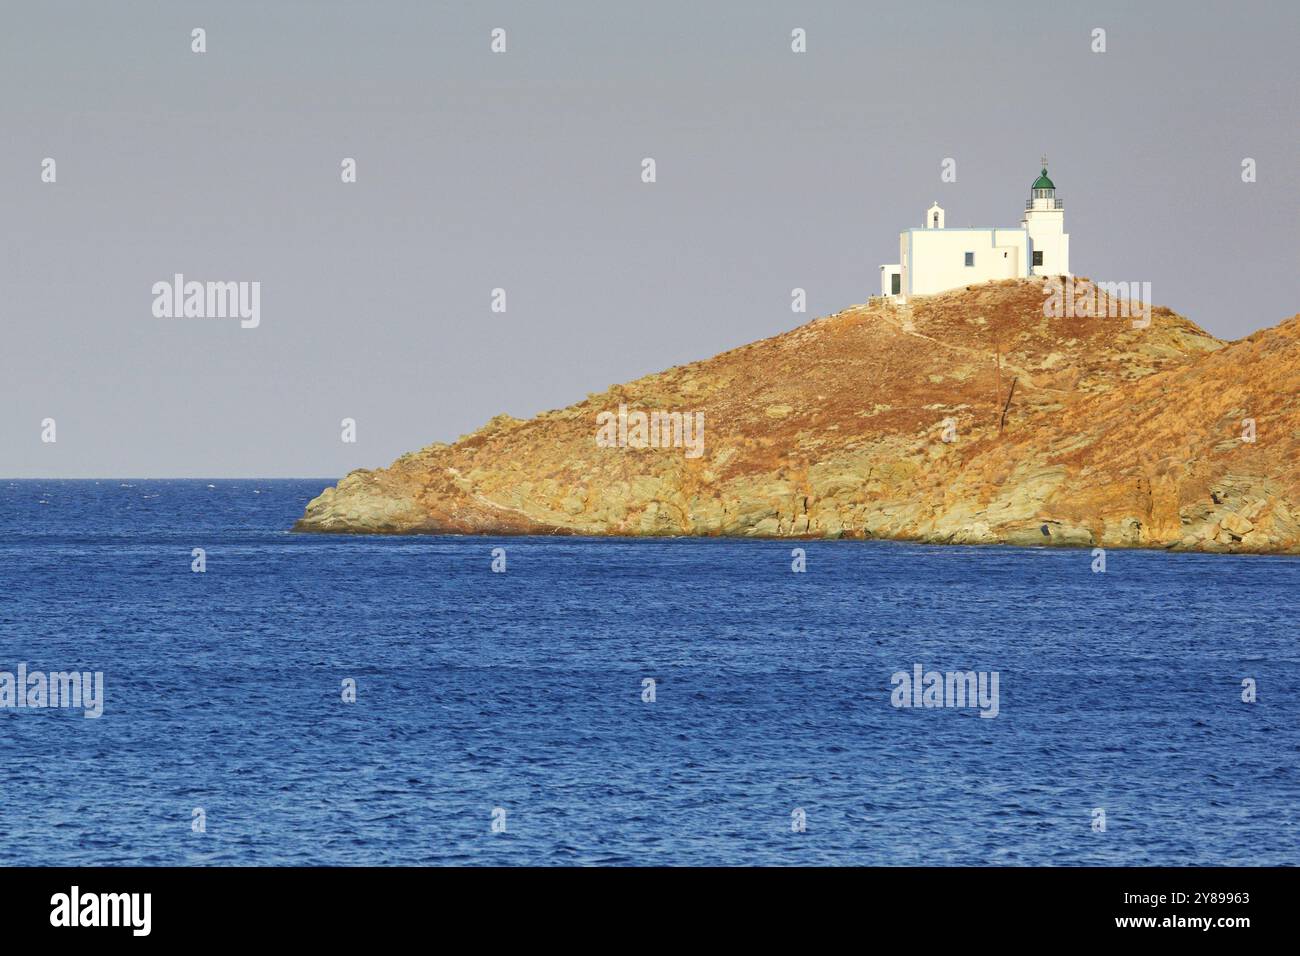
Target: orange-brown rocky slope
<point>967,417</point>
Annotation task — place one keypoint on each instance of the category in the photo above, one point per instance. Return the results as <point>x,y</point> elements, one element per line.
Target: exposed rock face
<point>1113,436</point>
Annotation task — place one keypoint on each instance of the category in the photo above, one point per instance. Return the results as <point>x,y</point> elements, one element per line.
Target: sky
<point>522,171</point>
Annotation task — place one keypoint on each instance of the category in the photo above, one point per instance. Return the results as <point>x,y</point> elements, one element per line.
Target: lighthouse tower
<point>1044,222</point>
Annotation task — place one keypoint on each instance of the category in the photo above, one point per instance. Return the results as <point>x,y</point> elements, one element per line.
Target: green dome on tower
<point>1042,182</point>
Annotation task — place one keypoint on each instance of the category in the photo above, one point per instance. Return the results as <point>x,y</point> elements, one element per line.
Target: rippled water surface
<point>523,691</point>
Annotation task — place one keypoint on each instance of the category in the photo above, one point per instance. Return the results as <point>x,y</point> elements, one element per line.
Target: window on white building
<point>1038,258</point>
<point>970,258</point>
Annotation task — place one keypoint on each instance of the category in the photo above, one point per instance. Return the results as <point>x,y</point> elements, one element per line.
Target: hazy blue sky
<point>522,171</point>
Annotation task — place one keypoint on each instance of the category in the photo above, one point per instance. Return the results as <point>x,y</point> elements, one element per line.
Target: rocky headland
<point>966,418</point>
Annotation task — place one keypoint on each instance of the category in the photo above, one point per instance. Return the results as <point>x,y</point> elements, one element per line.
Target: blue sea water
<point>523,691</point>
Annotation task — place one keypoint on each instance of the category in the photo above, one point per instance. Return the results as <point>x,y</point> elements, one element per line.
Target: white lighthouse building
<point>935,257</point>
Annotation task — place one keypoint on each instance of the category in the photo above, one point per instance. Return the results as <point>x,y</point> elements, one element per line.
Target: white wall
<point>937,260</point>
<point>887,273</point>
<point>1046,229</point>
<point>1056,254</point>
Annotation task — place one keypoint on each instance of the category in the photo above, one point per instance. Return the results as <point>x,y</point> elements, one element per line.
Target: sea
<point>275,698</point>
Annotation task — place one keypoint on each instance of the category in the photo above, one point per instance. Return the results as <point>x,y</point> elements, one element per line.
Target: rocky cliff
<point>967,417</point>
